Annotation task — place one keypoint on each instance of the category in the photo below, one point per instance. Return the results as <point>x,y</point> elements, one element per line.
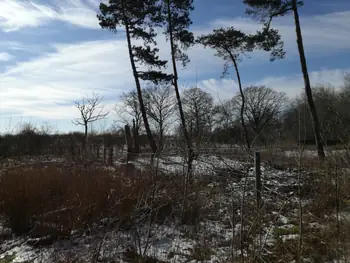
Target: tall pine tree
<point>265,11</point>
<point>176,19</point>
<point>230,44</point>
<point>138,18</point>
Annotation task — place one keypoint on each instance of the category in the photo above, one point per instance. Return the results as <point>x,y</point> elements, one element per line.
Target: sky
<point>53,52</point>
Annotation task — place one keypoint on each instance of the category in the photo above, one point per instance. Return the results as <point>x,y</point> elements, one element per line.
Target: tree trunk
<point>139,92</point>
<point>182,115</point>
<point>245,130</point>
<point>175,83</point>
<point>308,91</point>
<point>161,137</point>
<point>161,130</point>
<point>85,135</point>
<point>135,136</point>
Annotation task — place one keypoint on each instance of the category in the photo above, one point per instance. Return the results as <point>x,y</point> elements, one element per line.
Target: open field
<point>159,142</point>
<point>59,211</point>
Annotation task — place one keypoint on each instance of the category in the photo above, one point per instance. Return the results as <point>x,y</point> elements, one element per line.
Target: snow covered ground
<point>204,165</point>
<point>213,239</point>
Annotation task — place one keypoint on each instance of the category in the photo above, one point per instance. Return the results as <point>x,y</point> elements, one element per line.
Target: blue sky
<point>53,52</point>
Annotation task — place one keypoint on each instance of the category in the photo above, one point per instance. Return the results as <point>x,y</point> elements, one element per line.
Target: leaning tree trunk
<point>245,130</point>
<point>182,115</point>
<point>175,83</point>
<point>308,91</point>
<point>139,93</point>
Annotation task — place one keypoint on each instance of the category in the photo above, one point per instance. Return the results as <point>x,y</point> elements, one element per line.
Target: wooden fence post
<point>129,142</point>
<point>104,153</point>
<point>110,155</point>
<point>97,152</point>
<point>258,179</point>
<point>60,150</point>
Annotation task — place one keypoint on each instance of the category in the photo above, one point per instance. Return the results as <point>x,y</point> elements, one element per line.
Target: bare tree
<point>328,101</point>
<point>227,114</point>
<point>347,80</point>
<point>198,107</point>
<point>129,110</point>
<point>27,128</point>
<point>263,107</point>
<point>160,106</point>
<point>227,125</point>
<point>90,111</point>
<point>130,113</point>
<point>332,105</point>
<point>46,128</point>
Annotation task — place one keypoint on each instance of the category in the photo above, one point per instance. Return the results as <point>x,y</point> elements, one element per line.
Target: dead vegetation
<point>48,202</point>
<point>56,199</point>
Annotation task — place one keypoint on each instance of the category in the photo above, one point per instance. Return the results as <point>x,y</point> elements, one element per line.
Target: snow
<point>204,165</point>
<point>289,237</point>
<point>171,242</point>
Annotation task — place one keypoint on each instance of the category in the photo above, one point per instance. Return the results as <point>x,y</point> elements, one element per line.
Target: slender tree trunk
<point>188,139</point>
<point>135,135</point>
<point>197,138</point>
<point>175,83</point>
<point>308,91</point>
<point>85,135</point>
<point>139,92</point>
<point>245,130</point>
<point>161,135</point>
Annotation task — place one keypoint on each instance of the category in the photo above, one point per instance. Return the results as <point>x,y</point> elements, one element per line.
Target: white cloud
<point>15,15</point>
<point>321,33</point>
<point>38,86</point>
<point>292,85</point>
<point>46,86</point>
<point>5,56</point>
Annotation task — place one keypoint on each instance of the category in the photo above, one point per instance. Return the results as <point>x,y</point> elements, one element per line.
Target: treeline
<point>270,116</point>
<point>257,115</point>
<point>142,21</point>
<point>30,141</point>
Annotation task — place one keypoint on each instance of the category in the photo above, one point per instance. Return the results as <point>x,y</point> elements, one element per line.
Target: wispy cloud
<point>15,15</point>
<point>5,56</point>
<point>321,33</point>
<point>65,76</point>
<point>46,86</point>
<point>38,87</point>
<point>327,32</point>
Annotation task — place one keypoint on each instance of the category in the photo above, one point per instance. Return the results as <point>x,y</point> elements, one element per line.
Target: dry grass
<point>56,199</point>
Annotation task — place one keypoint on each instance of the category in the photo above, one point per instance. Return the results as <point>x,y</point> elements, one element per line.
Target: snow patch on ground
<point>174,243</point>
<point>204,165</point>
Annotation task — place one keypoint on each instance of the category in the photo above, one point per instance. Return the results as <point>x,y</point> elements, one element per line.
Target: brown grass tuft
<point>56,199</point>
